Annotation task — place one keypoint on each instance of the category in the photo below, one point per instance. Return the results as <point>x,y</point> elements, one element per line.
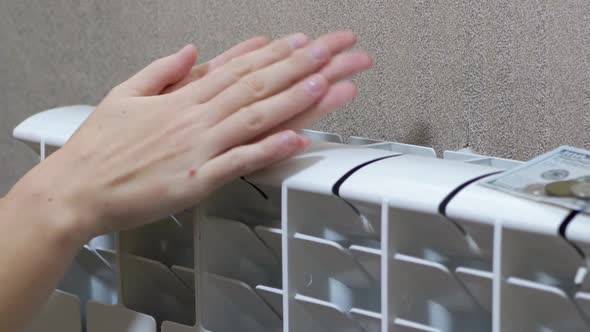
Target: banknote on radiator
<point>560,177</point>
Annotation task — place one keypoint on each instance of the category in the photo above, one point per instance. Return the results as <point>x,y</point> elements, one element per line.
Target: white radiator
<point>360,237</point>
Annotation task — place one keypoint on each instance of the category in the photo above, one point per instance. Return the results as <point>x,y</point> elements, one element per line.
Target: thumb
<point>161,73</point>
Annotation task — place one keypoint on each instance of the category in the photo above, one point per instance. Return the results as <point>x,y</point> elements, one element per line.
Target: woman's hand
<point>160,142</point>
<point>171,134</point>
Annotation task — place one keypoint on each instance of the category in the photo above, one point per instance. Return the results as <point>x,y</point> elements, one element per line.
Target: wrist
<point>35,201</point>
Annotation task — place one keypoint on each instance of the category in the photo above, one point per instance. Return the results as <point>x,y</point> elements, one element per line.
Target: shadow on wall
<point>420,134</point>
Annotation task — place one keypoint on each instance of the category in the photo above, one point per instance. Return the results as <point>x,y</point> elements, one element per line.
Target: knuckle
<point>254,121</point>
<point>199,71</point>
<point>295,98</point>
<point>269,150</point>
<point>239,164</point>
<point>253,85</point>
<point>266,153</point>
<point>239,68</point>
<point>278,51</point>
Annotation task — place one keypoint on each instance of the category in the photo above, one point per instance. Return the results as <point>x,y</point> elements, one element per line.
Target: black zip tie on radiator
<point>562,233</point>
<point>442,207</point>
<point>260,191</point>
<point>338,184</point>
<point>563,228</point>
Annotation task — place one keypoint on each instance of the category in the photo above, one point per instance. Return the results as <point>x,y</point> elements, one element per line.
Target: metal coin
<point>535,189</point>
<point>560,188</point>
<point>581,190</point>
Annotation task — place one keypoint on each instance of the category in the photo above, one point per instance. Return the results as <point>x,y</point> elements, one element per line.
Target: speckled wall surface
<point>508,78</point>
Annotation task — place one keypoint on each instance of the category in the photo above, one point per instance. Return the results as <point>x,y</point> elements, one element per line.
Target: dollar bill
<point>557,169</point>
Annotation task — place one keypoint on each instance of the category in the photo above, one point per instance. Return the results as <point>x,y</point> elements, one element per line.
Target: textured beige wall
<point>508,78</point>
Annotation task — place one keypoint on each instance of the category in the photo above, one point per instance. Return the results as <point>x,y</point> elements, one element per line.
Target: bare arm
<point>38,243</point>
<point>160,142</point>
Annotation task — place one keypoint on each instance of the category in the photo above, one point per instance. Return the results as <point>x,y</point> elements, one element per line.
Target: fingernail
<point>287,139</point>
<point>298,40</point>
<point>317,53</point>
<point>314,84</point>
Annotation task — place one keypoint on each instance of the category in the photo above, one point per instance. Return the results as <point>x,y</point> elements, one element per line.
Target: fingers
<point>278,76</point>
<point>346,64</point>
<point>338,41</point>
<point>245,159</point>
<point>338,95</point>
<point>202,69</point>
<point>238,50</point>
<point>260,117</point>
<point>210,85</point>
<point>161,73</point>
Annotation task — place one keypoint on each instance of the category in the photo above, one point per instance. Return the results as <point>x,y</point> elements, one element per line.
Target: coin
<point>581,190</point>
<point>535,189</point>
<point>560,188</point>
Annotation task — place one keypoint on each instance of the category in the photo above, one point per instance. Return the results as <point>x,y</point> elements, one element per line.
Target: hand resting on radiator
<point>160,142</point>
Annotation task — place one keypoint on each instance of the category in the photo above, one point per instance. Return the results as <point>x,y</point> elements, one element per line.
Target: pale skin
<point>162,141</point>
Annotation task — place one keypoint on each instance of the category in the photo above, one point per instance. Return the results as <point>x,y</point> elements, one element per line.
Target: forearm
<point>37,242</point>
